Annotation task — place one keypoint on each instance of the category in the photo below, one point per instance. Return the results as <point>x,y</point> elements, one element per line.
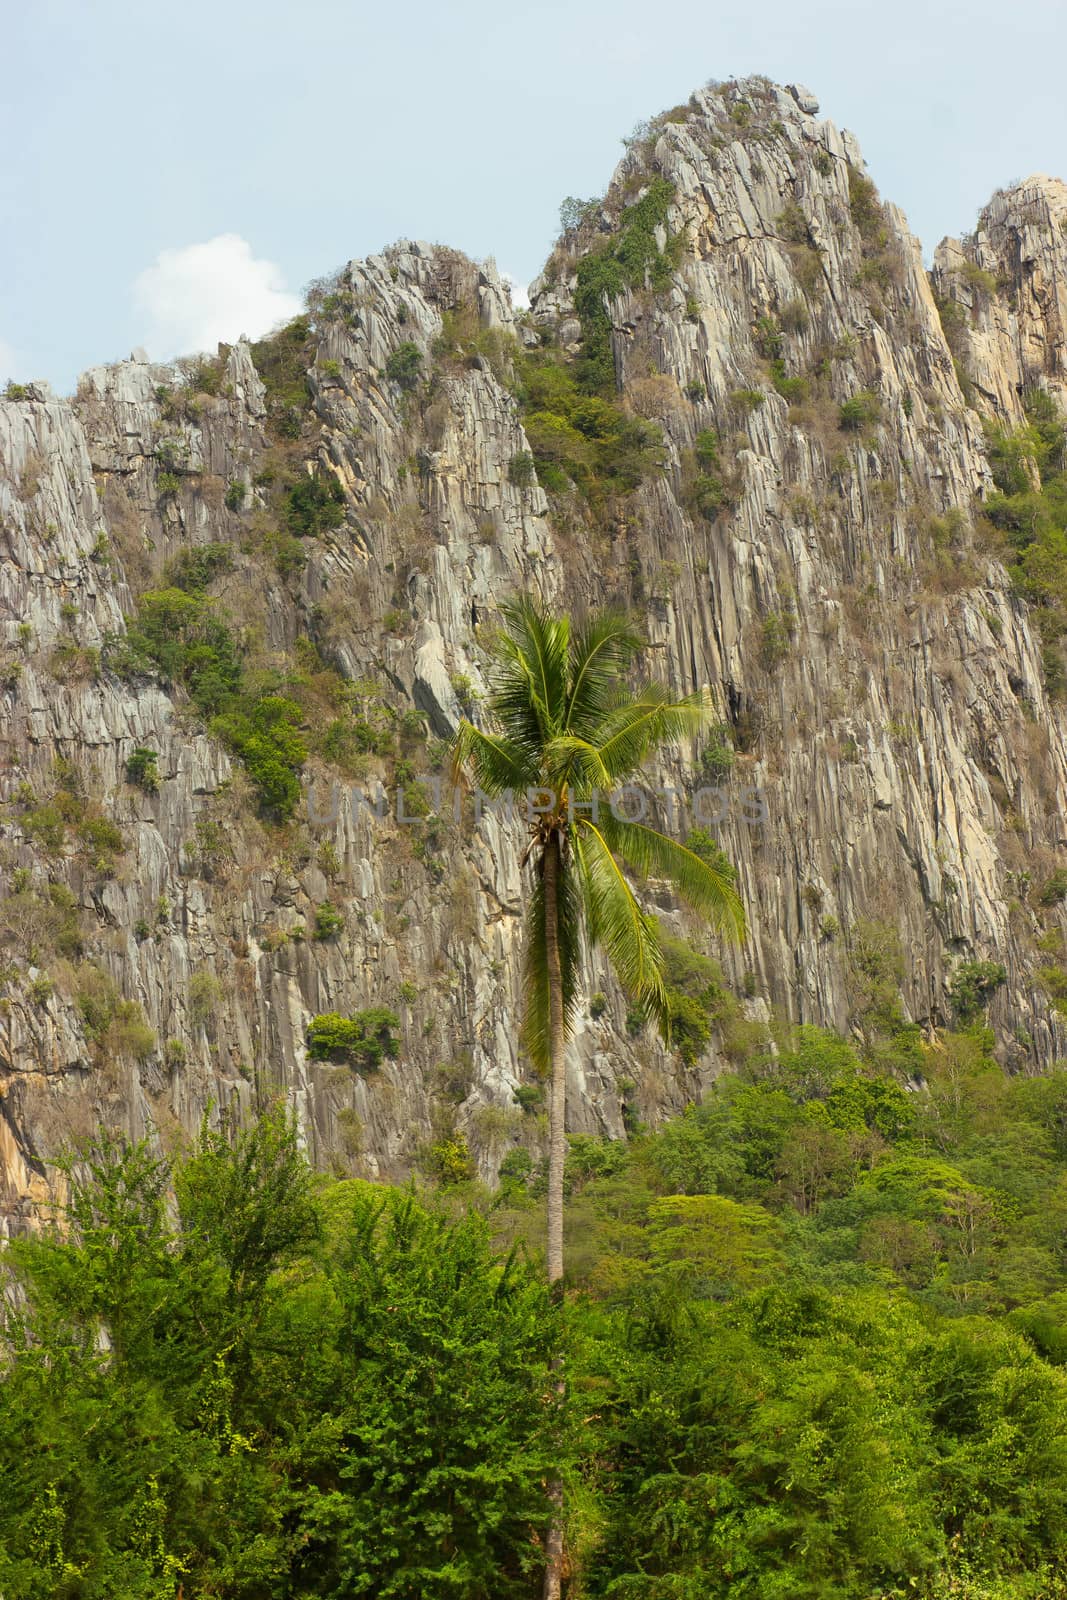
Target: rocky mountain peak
<point>737,405</point>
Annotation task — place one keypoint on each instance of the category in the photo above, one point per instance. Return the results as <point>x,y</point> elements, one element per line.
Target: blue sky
<point>177,173</point>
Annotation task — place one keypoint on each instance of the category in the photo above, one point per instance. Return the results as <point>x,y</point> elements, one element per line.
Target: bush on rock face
<point>362,1040</point>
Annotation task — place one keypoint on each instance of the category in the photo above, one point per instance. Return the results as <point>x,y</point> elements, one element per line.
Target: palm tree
<point>569,730</point>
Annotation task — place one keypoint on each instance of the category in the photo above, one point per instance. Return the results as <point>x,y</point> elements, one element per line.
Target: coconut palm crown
<point>567,725</point>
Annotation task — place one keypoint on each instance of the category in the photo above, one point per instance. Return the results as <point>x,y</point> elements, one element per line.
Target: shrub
<point>268,743</point>
<point>282,362</point>
<point>45,824</point>
<point>521,469</point>
<point>195,569</point>
<point>863,203</point>
<point>631,259</point>
<point>168,485</point>
<point>703,844</point>
<point>1054,889</point>
<point>717,757</point>
<point>972,986</point>
<point>774,639</point>
<point>314,504</point>
<point>794,316</point>
<point>189,642</point>
<point>793,389</point>
<point>859,411</point>
<point>573,212</point>
<point>598,1004</point>
<point>205,994</point>
<point>362,1041</point>
<point>746,400</point>
<point>583,439</point>
<point>236,494</point>
<point>142,769</point>
<point>448,1161</point>
<point>328,921</point>
<point>113,1023</point>
<point>102,841</point>
<point>707,495</point>
<point>404,365</point>
<point>706,492</point>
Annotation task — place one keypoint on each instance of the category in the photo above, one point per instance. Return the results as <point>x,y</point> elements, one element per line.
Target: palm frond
<point>536,1032</point>
<point>531,687</point>
<point>707,888</point>
<point>629,935</point>
<point>601,649</point>
<point>496,763</point>
<point>574,763</point>
<point>634,729</point>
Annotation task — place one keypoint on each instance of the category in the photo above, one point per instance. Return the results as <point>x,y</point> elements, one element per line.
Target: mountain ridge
<point>809,541</point>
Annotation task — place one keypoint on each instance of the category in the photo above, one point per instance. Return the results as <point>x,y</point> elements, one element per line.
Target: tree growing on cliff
<point>569,735</point>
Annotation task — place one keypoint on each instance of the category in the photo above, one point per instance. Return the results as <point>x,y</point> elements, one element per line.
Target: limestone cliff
<point>879,680</point>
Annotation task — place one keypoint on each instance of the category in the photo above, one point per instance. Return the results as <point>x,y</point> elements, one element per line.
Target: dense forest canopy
<point>814,1334</point>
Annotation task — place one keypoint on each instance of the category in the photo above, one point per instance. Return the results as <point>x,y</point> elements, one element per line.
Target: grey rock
<point>911,760</point>
<point>804,98</point>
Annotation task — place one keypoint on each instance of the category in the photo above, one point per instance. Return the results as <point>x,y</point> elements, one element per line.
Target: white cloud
<point>190,299</point>
<point>520,295</point>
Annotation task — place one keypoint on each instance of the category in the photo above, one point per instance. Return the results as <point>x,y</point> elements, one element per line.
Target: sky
<point>174,175</point>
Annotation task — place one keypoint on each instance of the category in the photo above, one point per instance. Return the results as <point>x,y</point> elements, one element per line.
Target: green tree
<point>569,733</point>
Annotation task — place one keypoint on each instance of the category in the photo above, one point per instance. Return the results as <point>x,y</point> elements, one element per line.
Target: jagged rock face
<point>882,683</point>
<point>1009,280</point>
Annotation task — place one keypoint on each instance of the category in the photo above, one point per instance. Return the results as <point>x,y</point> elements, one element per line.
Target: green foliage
<point>863,203</point>
<point>705,490</point>
<point>972,986</point>
<point>329,922</point>
<point>579,436</point>
<point>1028,511</point>
<point>697,999</point>
<point>448,1161</point>
<point>1054,888</point>
<point>182,636</point>
<point>195,568</point>
<point>631,259</point>
<point>816,1335</point>
<point>266,739</point>
<point>573,212</point>
<point>142,768</point>
<point>115,1025</point>
<point>566,722</point>
<point>521,469</point>
<point>404,366</point>
<point>776,636</point>
<point>747,400</point>
<point>271,1387</point>
<point>314,504</point>
<point>282,361</point>
<point>717,757</point>
<point>580,439</point>
<point>794,388</point>
<point>859,411</point>
<point>362,1041</point>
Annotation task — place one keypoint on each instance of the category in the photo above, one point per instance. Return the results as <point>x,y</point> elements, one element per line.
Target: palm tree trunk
<point>557,1151</point>
<point>557,1105</point>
